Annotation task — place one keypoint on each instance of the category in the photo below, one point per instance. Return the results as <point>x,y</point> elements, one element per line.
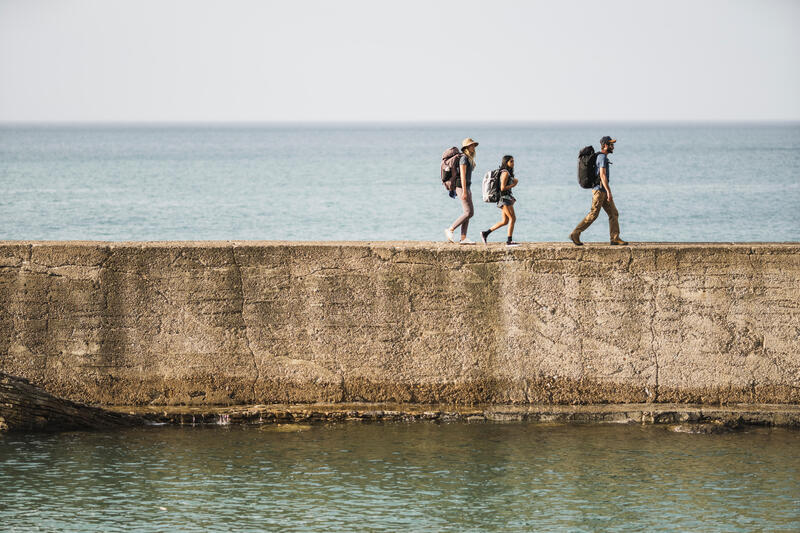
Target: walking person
<point>506,201</point>
<point>601,197</point>
<point>466,165</point>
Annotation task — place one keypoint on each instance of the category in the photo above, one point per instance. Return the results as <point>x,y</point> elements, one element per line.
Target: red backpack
<point>450,171</point>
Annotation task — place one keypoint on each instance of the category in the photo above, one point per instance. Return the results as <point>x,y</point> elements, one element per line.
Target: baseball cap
<point>607,140</point>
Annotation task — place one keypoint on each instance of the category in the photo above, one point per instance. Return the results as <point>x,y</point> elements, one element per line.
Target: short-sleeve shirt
<point>465,161</point>
<point>602,162</point>
<point>506,198</point>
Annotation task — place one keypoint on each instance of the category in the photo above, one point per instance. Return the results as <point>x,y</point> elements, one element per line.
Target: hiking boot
<point>575,238</point>
<point>484,234</point>
<point>619,242</point>
<point>449,234</point>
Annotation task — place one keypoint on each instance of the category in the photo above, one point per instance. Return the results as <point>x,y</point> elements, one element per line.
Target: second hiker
<point>506,201</point>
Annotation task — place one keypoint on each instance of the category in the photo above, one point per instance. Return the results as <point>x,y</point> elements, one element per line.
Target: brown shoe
<point>575,239</point>
<point>619,242</point>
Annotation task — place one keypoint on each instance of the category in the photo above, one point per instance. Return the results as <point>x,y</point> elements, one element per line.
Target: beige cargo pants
<point>600,199</point>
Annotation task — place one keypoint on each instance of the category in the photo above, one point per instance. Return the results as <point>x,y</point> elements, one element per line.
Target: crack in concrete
<point>652,318</point>
<point>323,269</point>
<point>167,300</point>
<point>414,263</point>
<point>109,252</point>
<point>175,259</point>
<point>653,350</point>
<point>343,387</point>
<point>238,268</point>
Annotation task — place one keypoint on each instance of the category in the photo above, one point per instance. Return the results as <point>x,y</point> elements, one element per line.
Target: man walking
<point>601,197</point>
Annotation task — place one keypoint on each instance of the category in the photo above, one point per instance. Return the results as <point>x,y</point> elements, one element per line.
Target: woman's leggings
<point>469,210</point>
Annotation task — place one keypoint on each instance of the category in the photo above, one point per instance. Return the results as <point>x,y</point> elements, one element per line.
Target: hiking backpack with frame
<point>449,169</point>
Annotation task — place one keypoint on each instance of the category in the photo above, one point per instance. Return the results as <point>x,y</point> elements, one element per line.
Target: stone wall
<point>267,322</point>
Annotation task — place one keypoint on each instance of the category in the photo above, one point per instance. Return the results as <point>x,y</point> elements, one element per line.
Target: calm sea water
<point>670,182</point>
<point>402,477</point>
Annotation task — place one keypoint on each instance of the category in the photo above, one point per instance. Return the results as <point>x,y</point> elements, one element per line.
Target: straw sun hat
<point>468,142</point>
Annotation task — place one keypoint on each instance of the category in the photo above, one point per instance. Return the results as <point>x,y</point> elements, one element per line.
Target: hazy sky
<point>412,60</point>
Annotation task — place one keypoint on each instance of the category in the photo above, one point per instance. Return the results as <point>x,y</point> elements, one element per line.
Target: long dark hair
<point>504,165</point>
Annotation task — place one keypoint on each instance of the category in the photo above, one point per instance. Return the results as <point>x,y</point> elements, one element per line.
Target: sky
<point>410,61</point>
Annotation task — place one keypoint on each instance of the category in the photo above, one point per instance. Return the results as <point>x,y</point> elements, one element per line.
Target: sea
<point>671,182</point>
<point>380,182</point>
<point>421,476</point>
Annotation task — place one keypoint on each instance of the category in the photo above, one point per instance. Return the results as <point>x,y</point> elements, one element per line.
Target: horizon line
<point>518,122</point>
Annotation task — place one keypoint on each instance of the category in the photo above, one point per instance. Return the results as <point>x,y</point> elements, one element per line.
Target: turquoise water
<point>402,477</point>
<point>670,182</point>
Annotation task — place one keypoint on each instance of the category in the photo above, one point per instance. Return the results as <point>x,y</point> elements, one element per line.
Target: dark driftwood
<point>25,407</point>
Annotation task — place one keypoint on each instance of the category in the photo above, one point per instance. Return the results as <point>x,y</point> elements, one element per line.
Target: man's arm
<point>604,181</point>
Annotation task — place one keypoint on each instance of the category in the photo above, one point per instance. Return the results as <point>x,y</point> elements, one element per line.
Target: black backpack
<point>587,167</point>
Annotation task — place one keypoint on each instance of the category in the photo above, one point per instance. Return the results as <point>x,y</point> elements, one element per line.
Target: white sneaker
<point>449,234</point>
<point>466,241</point>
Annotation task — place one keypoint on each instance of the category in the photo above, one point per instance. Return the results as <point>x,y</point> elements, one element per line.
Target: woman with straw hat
<point>466,165</point>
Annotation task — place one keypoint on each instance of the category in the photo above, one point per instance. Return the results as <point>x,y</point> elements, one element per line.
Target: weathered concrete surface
<point>245,322</point>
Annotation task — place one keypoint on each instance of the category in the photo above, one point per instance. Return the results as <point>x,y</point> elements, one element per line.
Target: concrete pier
<point>235,323</point>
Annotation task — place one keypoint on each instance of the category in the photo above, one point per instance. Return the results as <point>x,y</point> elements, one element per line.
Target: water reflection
<point>421,476</point>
